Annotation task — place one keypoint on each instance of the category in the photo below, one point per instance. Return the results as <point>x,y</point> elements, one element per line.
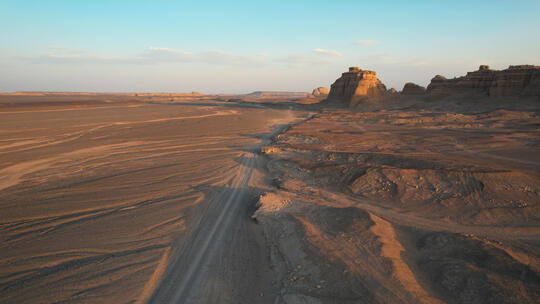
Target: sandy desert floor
<point>160,199</point>
<point>103,197</point>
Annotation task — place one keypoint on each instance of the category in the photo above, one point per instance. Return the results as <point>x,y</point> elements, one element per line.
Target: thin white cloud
<point>159,54</point>
<point>164,49</point>
<point>297,60</point>
<point>66,50</point>
<point>221,57</point>
<point>366,42</point>
<point>327,52</point>
<point>151,55</point>
<point>80,59</point>
<point>383,58</point>
<point>420,63</point>
<point>162,54</point>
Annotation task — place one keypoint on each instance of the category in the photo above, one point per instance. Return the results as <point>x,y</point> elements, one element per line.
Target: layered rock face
<point>413,89</point>
<point>321,92</point>
<point>356,86</point>
<point>440,87</point>
<point>521,80</point>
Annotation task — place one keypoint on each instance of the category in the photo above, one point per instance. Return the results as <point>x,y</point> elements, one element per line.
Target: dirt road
<point>223,255</point>
<point>224,259</point>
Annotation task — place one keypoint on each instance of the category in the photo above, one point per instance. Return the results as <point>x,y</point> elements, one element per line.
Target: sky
<point>243,46</point>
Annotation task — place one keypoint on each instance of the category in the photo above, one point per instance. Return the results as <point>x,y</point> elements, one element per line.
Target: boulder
<point>413,89</point>
<point>356,86</point>
<point>321,92</point>
<point>483,67</point>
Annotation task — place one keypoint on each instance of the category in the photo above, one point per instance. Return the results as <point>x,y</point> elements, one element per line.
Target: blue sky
<point>242,46</point>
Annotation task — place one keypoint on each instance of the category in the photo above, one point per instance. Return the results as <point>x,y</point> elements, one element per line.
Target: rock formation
<point>439,87</point>
<point>413,89</point>
<point>533,89</point>
<point>521,80</point>
<point>391,91</point>
<point>356,86</point>
<point>321,92</point>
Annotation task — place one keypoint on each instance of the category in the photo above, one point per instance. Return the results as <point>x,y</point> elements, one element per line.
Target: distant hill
<point>51,93</point>
<point>277,94</point>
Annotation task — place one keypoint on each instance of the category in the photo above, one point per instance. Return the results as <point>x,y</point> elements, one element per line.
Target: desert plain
<point>267,198</point>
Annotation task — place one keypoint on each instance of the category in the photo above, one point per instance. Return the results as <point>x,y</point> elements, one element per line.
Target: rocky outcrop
<point>533,89</point>
<point>439,87</point>
<point>413,89</point>
<point>320,92</point>
<point>521,80</point>
<point>356,86</point>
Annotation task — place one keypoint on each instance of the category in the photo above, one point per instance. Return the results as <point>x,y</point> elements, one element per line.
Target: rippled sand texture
<point>96,194</point>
